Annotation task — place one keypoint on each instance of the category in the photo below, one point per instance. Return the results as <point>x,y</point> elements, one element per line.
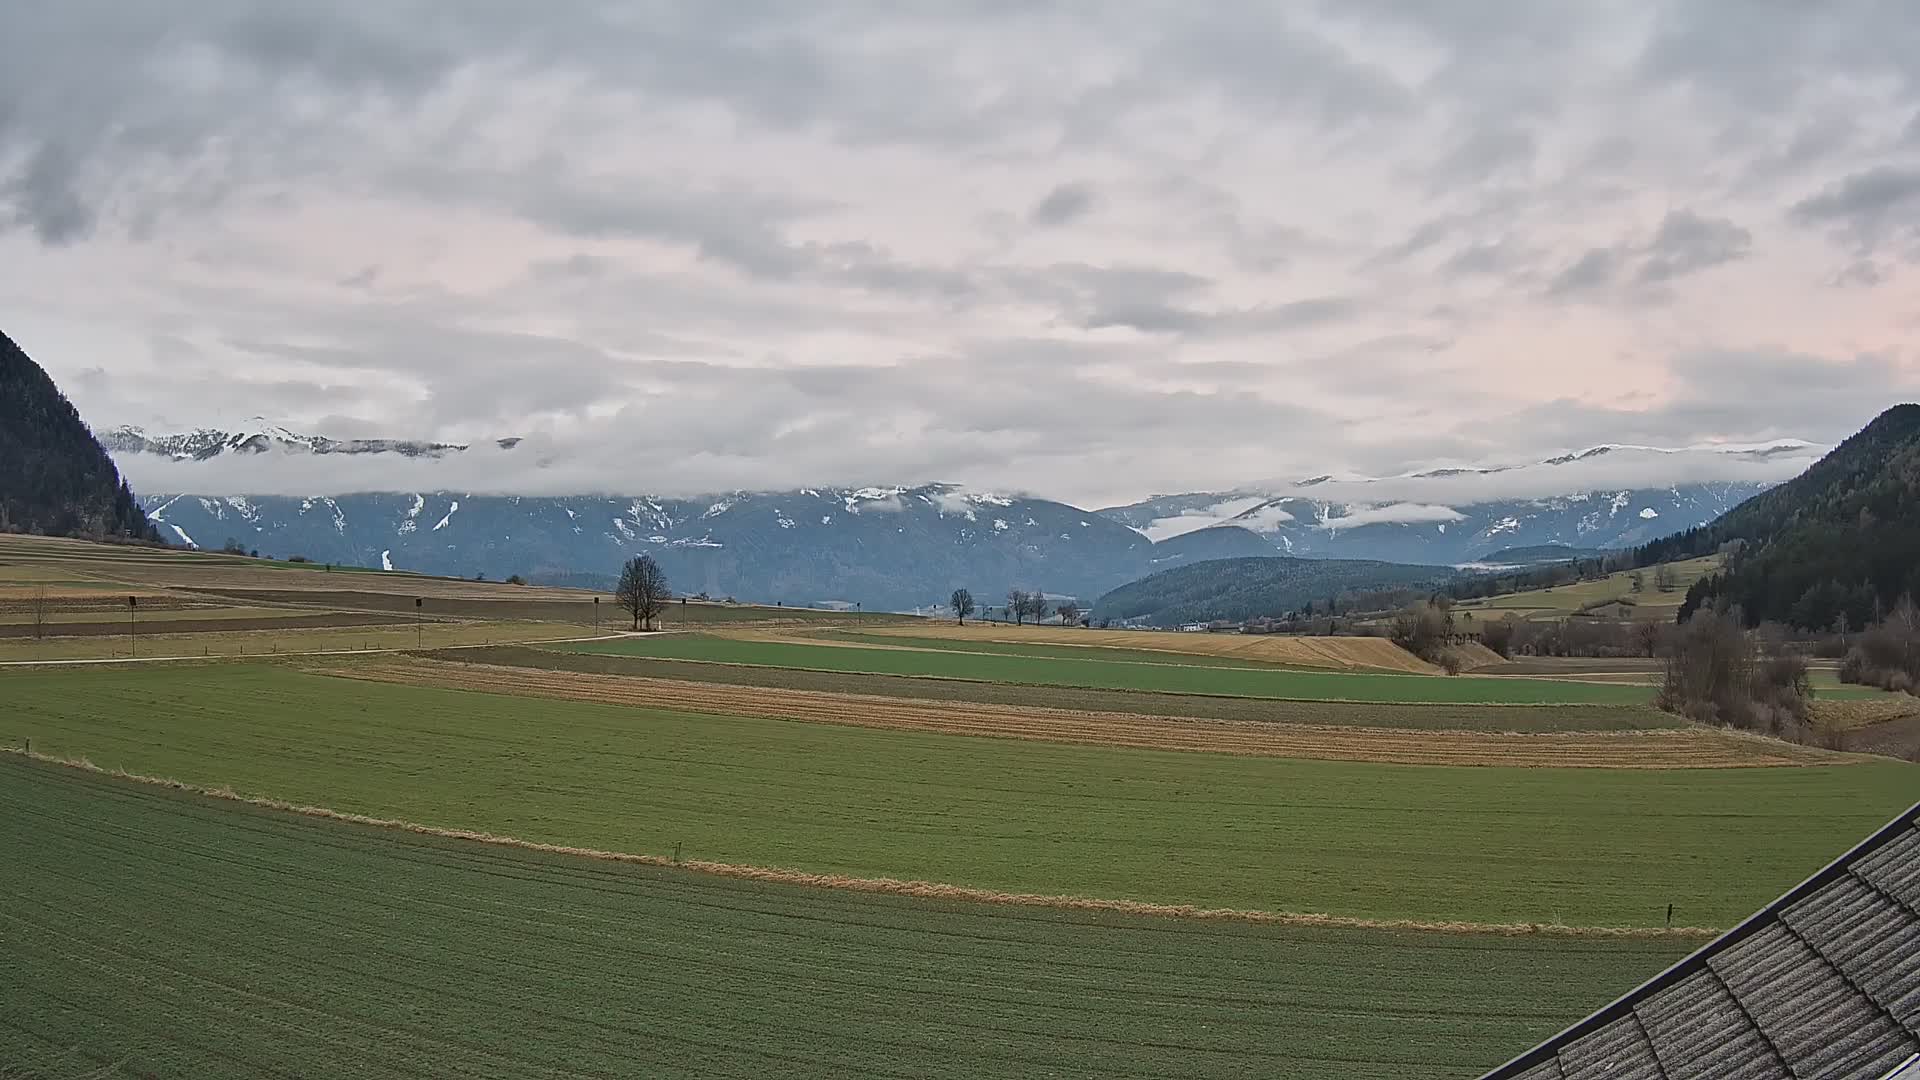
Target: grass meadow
<point>1578,846</point>
<point>155,933</point>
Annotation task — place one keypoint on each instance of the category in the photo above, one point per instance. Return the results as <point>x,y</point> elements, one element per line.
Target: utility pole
<point>133,646</point>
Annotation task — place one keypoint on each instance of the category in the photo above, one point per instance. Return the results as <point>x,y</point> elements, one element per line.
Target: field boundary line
<point>927,890</point>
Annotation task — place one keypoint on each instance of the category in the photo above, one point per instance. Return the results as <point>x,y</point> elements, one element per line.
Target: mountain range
<point>900,547</point>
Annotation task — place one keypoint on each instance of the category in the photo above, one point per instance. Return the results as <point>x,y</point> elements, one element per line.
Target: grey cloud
<point>1592,271</point>
<point>44,197</point>
<point>1868,194</point>
<point>1860,273</point>
<point>1746,395</point>
<point>1498,257</point>
<point>1486,150</point>
<point>1686,243</point>
<point>1869,209</point>
<point>1062,205</point>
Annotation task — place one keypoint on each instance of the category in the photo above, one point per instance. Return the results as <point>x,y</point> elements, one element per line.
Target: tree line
<point>1023,606</point>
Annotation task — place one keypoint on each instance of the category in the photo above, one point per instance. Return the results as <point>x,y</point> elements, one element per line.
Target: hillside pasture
<point>1439,844</point>
<point>1262,682</point>
<point>1567,601</point>
<point>235,580</point>
<point>158,933</point>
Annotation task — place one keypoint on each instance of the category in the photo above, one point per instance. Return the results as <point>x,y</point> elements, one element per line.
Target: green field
<point>1064,651</point>
<point>1204,706</point>
<point>1243,681</point>
<point>1582,847</point>
<point>161,934</point>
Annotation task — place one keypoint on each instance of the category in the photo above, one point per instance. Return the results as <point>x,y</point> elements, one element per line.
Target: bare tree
<point>1664,578</point>
<point>1037,605</point>
<point>962,604</point>
<point>39,608</point>
<point>1646,637</point>
<point>1069,612</point>
<point>1017,605</point>
<point>642,591</point>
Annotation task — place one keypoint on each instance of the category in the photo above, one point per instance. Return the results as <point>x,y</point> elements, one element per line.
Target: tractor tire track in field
<point>1683,748</point>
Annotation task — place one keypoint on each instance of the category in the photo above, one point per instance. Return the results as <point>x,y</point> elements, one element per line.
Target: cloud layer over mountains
<point>1018,246</point>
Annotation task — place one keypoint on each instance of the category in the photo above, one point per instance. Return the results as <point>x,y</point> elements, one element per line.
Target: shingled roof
<point>1824,982</point>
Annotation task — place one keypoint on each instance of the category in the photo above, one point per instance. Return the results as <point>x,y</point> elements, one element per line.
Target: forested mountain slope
<point>55,479</point>
<point>1840,540</point>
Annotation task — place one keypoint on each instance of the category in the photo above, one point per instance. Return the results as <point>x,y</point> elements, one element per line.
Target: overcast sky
<point>1090,250</point>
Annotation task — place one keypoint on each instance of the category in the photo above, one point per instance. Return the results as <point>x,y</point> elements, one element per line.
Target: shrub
<point>298,558</point>
<point>1712,676</point>
<point>1499,636</point>
<point>1422,631</point>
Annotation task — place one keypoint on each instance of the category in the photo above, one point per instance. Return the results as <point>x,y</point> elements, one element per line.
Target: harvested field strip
<point>1340,653</point>
<point>277,639</point>
<point>1206,706</point>
<point>185,936</point>
<point>550,605</point>
<point>179,626</point>
<point>1486,845</point>
<point>1107,653</point>
<point>1679,749</point>
<point>1845,714</point>
<point>1277,683</point>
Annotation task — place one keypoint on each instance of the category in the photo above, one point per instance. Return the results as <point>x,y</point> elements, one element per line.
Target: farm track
<point>1660,749</point>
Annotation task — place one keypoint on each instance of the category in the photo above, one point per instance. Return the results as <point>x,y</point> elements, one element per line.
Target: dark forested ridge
<point>1240,589</point>
<point>1840,541</point>
<point>54,477</point>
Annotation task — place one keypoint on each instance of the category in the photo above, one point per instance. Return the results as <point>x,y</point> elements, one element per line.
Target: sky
<point>1089,250</point>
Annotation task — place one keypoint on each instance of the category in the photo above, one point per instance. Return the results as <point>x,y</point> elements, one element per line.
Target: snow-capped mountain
<point>888,548</point>
<point>1597,498</point>
<point>898,547</point>
<point>259,436</point>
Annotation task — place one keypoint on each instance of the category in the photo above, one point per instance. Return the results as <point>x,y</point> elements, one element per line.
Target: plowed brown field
<point>1669,749</point>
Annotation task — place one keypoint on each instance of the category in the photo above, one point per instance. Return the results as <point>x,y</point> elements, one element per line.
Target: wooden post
<point>1669,916</point>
